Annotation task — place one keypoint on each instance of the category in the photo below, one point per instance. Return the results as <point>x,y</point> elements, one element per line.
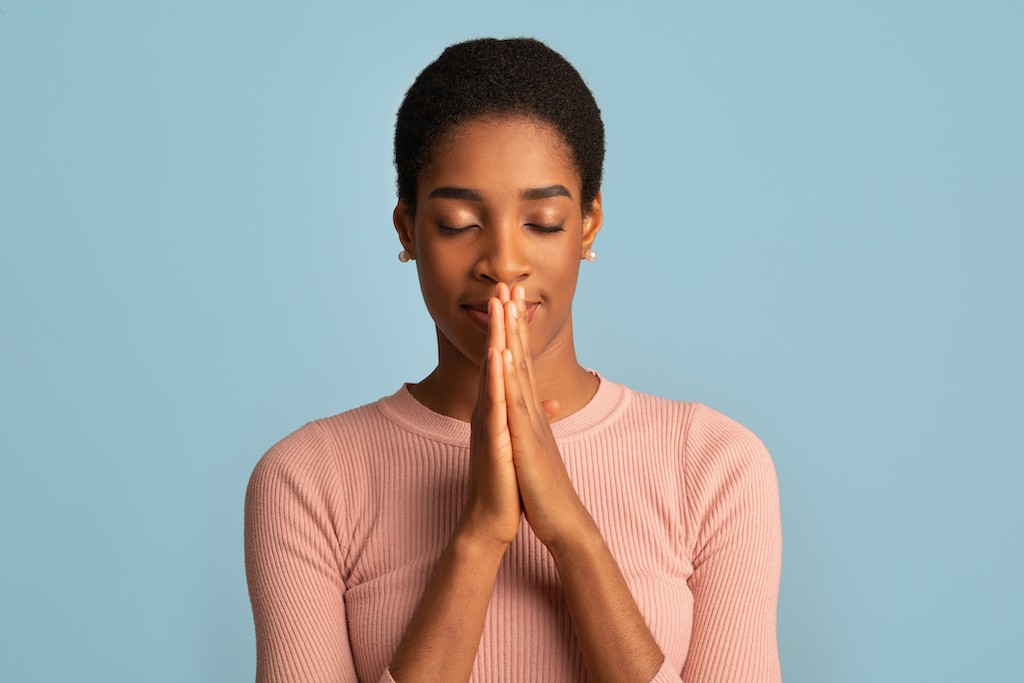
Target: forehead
<point>501,154</point>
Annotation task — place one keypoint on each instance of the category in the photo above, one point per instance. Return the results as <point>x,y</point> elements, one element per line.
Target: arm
<point>735,542</point>
<point>443,635</point>
<point>613,637</point>
<point>614,640</point>
<point>292,560</point>
<point>442,638</point>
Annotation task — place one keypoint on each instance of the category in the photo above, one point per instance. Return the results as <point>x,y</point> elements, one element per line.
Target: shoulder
<point>718,443</point>
<point>656,414</point>
<point>296,461</point>
<point>709,444</point>
<point>730,479</point>
<point>310,453</point>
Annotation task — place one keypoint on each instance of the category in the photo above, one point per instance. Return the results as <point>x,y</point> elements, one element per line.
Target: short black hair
<point>490,77</point>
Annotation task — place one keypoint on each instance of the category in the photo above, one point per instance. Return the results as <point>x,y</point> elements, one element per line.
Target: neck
<point>451,389</point>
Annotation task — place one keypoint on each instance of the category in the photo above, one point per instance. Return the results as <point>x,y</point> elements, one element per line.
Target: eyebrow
<point>546,192</point>
<point>533,194</point>
<point>456,193</point>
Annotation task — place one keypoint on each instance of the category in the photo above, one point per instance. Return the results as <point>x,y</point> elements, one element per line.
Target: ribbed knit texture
<point>346,517</point>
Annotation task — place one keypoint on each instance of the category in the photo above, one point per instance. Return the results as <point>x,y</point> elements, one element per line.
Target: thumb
<point>550,407</point>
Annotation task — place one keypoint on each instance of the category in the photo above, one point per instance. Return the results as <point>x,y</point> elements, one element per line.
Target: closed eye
<point>548,228</point>
<point>449,230</point>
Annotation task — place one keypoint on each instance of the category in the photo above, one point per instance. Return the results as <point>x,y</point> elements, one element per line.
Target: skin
<point>510,369</point>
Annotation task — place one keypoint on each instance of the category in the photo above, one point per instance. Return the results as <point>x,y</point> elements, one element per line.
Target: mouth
<point>477,312</point>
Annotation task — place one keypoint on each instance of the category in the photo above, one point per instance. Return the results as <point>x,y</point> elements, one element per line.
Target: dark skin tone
<point>498,233</point>
<point>503,243</point>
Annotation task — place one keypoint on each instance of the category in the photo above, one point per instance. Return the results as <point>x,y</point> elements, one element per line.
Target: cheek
<point>442,279</point>
<point>562,262</point>
<point>435,281</point>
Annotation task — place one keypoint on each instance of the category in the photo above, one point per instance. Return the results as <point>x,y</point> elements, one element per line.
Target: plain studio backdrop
<point>813,224</point>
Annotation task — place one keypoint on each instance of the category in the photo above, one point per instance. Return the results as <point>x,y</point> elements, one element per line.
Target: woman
<point>513,516</point>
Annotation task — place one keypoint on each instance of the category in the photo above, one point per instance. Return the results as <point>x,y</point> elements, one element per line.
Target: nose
<point>504,256</point>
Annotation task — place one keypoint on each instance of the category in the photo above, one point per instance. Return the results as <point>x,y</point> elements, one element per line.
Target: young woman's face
<point>500,202</point>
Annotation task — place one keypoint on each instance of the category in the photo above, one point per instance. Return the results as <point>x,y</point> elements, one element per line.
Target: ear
<point>592,223</point>
<point>404,222</point>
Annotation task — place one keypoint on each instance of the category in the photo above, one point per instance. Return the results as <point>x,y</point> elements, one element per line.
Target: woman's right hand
<point>443,635</point>
<point>494,509</point>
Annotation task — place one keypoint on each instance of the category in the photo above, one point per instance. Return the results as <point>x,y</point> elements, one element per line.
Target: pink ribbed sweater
<point>346,516</point>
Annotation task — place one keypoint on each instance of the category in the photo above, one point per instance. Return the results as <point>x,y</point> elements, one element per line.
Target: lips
<point>478,314</point>
<point>531,308</point>
<point>477,311</point>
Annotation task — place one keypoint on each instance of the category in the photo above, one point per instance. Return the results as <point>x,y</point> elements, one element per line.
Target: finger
<point>551,407</point>
<point>502,292</point>
<point>497,413</point>
<point>495,339</point>
<point>496,324</point>
<point>520,298</point>
<point>518,414</point>
<point>519,344</point>
<point>514,343</point>
<point>481,388</point>
<point>497,417</point>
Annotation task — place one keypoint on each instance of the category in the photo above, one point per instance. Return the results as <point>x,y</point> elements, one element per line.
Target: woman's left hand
<point>550,503</point>
<point>614,639</point>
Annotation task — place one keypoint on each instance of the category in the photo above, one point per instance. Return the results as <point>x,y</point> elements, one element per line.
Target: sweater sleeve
<point>293,565</point>
<point>734,537</point>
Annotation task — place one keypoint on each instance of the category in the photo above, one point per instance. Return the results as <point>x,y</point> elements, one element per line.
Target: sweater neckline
<point>402,408</point>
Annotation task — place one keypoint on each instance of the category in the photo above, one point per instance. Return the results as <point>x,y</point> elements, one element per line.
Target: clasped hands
<point>515,466</point>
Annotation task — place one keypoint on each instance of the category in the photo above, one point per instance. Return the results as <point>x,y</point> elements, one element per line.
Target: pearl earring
<point>591,255</point>
<point>404,256</point>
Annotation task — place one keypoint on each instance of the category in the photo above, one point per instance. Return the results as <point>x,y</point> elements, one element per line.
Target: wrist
<point>474,537</point>
<point>578,540</point>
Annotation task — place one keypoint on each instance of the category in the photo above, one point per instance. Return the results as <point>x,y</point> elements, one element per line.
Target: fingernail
<point>512,310</point>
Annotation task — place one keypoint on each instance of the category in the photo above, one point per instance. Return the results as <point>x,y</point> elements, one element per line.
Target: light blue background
<point>813,224</point>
